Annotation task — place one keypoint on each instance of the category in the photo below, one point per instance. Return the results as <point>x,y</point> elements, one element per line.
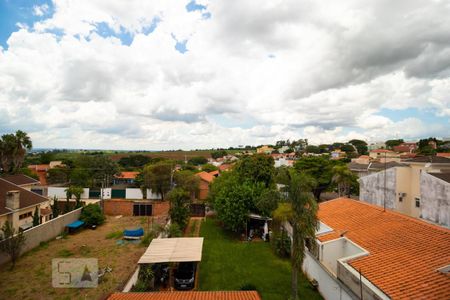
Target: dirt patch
<point>193,227</point>
<point>32,278</point>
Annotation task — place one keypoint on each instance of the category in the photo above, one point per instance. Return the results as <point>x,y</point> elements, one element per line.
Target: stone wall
<point>372,187</point>
<point>434,199</point>
<point>45,232</point>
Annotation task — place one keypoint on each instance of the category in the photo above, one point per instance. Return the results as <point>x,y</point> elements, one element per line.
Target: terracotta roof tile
<point>194,295</point>
<point>26,198</point>
<point>405,253</point>
<point>127,175</point>
<point>208,177</point>
<point>20,179</point>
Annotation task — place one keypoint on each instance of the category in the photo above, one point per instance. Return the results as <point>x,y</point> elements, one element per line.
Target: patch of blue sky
<point>180,46</point>
<point>104,30</point>
<point>13,12</point>
<point>231,122</point>
<point>150,28</point>
<point>192,6</point>
<point>427,116</point>
<point>206,15</point>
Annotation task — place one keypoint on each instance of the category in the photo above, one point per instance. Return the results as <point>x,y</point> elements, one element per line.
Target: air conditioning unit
<point>401,194</point>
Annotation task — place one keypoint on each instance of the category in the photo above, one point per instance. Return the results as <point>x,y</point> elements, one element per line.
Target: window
<point>24,216</point>
<point>142,210</point>
<point>417,202</point>
<point>400,199</point>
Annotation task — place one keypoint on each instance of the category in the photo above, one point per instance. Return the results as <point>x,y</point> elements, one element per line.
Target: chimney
<point>12,200</point>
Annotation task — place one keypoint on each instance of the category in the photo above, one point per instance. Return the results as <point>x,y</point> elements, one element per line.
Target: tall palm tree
<point>343,177</point>
<point>300,211</point>
<point>22,144</point>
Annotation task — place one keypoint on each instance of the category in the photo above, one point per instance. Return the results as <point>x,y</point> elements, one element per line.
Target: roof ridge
<point>389,211</point>
<point>23,189</point>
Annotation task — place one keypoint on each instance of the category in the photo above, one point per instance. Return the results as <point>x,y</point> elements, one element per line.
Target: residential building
<point>364,252</point>
<point>414,189</point>
<point>338,154</point>
<point>125,178</point>
<point>408,147</point>
<point>23,181</point>
<point>383,154</point>
<point>443,154</point>
<point>364,169</point>
<point>205,180</point>
<point>17,205</point>
<point>265,149</point>
<point>40,171</point>
<point>188,295</point>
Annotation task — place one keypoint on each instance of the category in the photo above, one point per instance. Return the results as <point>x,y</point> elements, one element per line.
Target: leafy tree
<point>98,170</point>
<point>324,148</point>
<point>179,206</point>
<point>361,146</point>
<point>46,157</point>
<point>348,148</point>
<point>218,154</point>
<point>319,169</point>
<point>36,220</point>
<point>282,175</point>
<point>13,148</point>
<point>256,168</point>
<point>344,178</point>
<point>392,143</point>
<point>58,175</point>
<point>12,243</point>
<point>188,182</point>
<point>158,177</point>
<point>425,148</point>
<point>76,191</point>
<point>301,213</point>
<point>134,161</point>
<point>198,160</point>
<point>233,199</point>
<point>174,230</point>
<point>209,168</point>
<point>267,202</point>
<point>80,177</point>
<point>312,149</point>
<point>92,214</point>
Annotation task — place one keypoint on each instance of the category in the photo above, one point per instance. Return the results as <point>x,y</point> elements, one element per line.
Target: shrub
<point>148,237</point>
<point>92,215</point>
<point>281,244</point>
<point>174,230</point>
<point>248,287</point>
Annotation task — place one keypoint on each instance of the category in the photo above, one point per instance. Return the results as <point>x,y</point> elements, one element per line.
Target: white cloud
<point>40,10</point>
<point>254,72</point>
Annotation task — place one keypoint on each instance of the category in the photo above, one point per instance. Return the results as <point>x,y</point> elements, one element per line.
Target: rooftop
<point>26,197</point>
<point>192,295</point>
<point>428,159</point>
<point>443,154</point>
<point>127,175</point>
<point>404,253</point>
<point>173,250</point>
<point>381,151</point>
<point>208,177</point>
<point>442,176</point>
<point>20,179</point>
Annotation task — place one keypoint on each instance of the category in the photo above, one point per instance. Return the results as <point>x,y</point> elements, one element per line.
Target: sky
<point>172,74</point>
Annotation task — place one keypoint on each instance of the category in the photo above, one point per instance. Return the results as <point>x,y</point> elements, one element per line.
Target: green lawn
<point>228,264</point>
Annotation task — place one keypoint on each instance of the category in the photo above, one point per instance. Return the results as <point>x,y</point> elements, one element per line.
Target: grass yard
<point>229,264</point>
<point>32,278</point>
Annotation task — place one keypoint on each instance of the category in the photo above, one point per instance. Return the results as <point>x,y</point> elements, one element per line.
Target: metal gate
<point>118,194</point>
<point>197,210</point>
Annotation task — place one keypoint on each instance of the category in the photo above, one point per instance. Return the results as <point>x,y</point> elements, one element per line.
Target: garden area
<point>32,276</point>
<point>230,264</point>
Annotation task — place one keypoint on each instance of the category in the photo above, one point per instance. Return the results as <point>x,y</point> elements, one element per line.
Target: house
<point>17,205</point>
<point>265,149</point>
<point>188,295</point>
<point>363,159</point>
<point>22,180</point>
<point>205,180</point>
<point>406,147</point>
<point>40,171</point>
<point>414,188</point>
<point>125,178</point>
<point>376,145</point>
<point>364,169</point>
<point>443,154</point>
<point>338,154</point>
<point>225,167</point>
<point>364,252</point>
<point>383,154</point>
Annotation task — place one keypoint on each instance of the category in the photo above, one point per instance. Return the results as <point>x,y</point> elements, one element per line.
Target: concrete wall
<point>60,192</point>
<point>329,287</point>
<point>333,250</point>
<point>45,232</point>
<point>371,188</point>
<point>434,199</point>
<point>153,196</point>
<point>133,193</point>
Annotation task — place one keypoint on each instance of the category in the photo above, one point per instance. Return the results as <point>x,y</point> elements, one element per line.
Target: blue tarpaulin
<point>76,224</point>
<point>134,232</point>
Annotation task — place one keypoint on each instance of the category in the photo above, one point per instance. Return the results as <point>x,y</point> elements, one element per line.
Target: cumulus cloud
<point>254,72</point>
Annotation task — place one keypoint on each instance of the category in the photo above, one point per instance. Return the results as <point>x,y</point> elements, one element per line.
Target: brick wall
<point>125,207</point>
<point>118,207</point>
<point>203,190</point>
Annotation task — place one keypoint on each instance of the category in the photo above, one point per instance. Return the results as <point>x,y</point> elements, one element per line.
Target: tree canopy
<point>158,177</point>
<point>13,148</point>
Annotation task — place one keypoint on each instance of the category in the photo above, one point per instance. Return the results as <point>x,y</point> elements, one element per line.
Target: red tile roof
<point>381,151</point>
<point>20,179</point>
<point>26,198</point>
<point>404,253</point>
<point>443,154</point>
<point>208,177</point>
<point>194,295</point>
<point>39,167</point>
<point>214,173</point>
<point>127,175</point>
<point>225,167</point>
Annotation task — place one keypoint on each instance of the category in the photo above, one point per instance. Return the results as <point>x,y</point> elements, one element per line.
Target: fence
<point>44,232</point>
<point>106,193</point>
